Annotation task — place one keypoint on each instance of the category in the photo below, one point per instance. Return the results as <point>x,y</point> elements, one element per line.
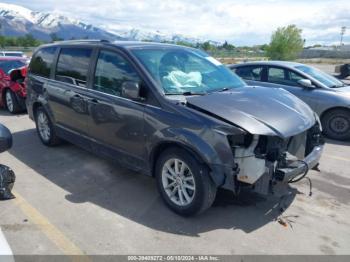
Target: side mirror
<point>131,90</point>
<point>306,83</point>
<point>5,139</point>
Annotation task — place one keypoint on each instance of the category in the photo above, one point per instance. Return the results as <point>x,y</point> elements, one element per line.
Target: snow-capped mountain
<point>155,36</point>
<point>18,21</point>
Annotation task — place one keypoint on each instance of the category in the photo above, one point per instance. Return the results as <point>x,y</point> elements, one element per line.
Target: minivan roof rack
<point>84,40</point>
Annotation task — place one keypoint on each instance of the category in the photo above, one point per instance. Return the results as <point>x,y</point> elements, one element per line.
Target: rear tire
<point>336,124</point>
<point>45,128</point>
<point>184,183</point>
<point>11,102</point>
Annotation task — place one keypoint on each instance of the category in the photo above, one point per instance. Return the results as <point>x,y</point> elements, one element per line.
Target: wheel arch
<point>332,109</point>
<point>216,172</point>
<point>162,146</point>
<point>35,106</point>
<point>2,94</point>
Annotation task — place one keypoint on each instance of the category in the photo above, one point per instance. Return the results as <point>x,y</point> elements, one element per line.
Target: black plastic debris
<point>7,176</point>
<point>7,180</point>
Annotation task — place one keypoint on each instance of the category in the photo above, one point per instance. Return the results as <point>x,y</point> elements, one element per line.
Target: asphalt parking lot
<point>69,201</point>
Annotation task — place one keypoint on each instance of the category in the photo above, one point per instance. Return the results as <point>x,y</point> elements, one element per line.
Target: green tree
<point>227,46</point>
<point>184,43</point>
<point>207,46</point>
<point>286,43</point>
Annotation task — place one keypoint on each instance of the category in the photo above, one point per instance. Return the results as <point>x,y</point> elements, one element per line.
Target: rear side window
<point>73,66</point>
<point>250,72</point>
<point>276,75</point>
<point>42,61</point>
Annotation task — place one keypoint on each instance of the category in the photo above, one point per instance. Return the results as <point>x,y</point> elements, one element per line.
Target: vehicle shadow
<point>337,142</point>
<point>4,112</point>
<point>89,178</point>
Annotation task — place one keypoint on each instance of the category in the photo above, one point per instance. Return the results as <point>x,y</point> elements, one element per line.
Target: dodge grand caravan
<point>174,113</point>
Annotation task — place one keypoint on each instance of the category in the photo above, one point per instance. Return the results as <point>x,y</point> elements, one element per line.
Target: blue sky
<point>240,22</point>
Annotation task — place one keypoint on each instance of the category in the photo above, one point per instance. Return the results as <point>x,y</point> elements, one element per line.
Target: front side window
<point>250,72</point>
<point>181,70</point>
<point>324,78</point>
<point>73,66</point>
<point>112,70</point>
<point>294,78</point>
<point>42,61</point>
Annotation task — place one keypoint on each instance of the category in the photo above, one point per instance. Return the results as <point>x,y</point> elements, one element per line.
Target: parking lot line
<point>5,249</point>
<point>52,232</point>
<point>337,157</point>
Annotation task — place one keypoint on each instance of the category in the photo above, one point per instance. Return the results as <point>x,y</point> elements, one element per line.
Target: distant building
<point>345,48</point>
<point>341,52</point>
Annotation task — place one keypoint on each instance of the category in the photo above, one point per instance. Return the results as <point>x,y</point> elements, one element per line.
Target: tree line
<point>20,41</point>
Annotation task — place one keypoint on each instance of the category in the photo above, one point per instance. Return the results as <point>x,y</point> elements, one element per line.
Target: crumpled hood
<point>258,110</point>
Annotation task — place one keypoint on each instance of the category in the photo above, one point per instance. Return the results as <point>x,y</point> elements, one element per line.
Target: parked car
<point>325,94</point>
<point>174,113</point>
<point>13,53</point>
<point>12,88</point>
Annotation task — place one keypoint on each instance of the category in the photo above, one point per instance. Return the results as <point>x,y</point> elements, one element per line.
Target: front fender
<point>211,148</point>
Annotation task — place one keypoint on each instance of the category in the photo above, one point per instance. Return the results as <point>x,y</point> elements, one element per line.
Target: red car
<point>12,89</point>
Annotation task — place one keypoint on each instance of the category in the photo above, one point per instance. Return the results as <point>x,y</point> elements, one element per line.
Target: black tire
<point>52,139</point>
<point>14,108</point>
<point>336,124</point>
<point>205,189</point>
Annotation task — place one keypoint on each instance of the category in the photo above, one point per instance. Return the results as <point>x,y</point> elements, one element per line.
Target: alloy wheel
<point>43,126</point>
<point>9,102</point>
<point>178,182</point>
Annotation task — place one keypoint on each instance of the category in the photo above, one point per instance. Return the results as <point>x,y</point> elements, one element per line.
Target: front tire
<point>45,129</point>
<point>184,183</point>
<point>336,124</point>
<point>12,104</point>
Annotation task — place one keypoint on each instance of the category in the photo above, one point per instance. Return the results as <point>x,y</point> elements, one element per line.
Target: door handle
<point>78,97</point>
<point>93,101</point>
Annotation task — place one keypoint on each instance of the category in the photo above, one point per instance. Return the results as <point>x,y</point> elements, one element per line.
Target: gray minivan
<point>174,113</point>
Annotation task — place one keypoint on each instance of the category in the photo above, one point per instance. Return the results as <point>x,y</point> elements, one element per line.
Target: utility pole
<point>342,32</point>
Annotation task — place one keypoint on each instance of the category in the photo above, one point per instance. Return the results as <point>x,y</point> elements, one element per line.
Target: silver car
<point>325,94</point>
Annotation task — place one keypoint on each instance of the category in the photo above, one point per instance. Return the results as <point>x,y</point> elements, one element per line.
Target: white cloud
<point>242,22</point>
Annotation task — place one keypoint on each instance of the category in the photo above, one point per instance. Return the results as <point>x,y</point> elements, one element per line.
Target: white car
<point>13,53</point>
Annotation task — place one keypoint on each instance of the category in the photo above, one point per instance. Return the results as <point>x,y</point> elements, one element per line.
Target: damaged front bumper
<point>271,161</point>
<point>299,167</point>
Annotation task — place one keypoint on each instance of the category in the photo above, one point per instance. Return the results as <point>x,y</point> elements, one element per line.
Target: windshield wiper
<point>224,89</point>
<point>187,93</point>
<point>337,86</point>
